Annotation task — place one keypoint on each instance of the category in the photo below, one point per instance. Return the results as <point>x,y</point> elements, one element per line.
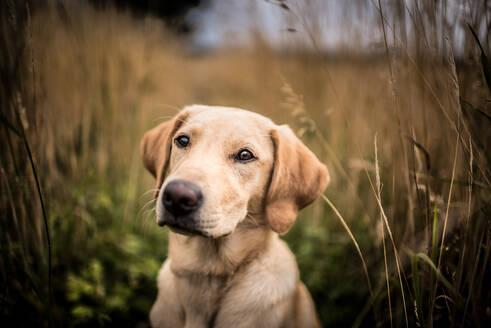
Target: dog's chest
<point>201,296</point>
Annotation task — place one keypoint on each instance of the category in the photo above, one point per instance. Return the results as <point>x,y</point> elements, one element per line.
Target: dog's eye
<point>182,141</point>
<point>244,155</point>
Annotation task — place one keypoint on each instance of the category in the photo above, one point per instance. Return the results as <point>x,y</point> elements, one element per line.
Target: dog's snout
<point>182,197</point>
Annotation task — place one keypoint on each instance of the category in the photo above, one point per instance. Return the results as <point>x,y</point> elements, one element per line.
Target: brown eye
<point>182,141</point>
<point>244,155</point>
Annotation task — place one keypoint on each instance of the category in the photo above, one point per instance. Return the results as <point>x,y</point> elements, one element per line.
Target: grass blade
<point>360,254</point>
<point>484,59</point>
<point>434,237</point>
<point>418,304</point>
<point>379,193</point>
<point>438,273</point>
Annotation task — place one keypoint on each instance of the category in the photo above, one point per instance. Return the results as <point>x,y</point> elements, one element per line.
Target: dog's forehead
<point>228,122</point>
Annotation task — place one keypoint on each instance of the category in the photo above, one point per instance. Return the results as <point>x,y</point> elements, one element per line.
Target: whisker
<point>146,220</point>
<point>150,202</point>
<point>148,191</point>
<point>160,118</point>
<point>147,215</point>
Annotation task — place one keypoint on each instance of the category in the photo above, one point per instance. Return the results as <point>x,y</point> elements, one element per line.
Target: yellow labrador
<point>228,182</point>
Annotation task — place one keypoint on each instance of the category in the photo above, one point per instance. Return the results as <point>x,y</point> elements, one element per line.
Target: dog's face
<point>219,163</point>
<point>216,167</point>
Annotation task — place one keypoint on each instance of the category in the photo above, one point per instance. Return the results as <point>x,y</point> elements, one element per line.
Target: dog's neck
<point>196,255</point>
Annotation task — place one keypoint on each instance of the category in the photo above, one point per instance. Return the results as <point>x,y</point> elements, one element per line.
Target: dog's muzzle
<point>181,200</point>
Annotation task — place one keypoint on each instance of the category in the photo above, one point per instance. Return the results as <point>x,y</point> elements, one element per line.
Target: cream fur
<point>241,274</point>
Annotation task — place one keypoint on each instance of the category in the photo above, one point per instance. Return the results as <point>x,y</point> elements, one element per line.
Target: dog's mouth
<point>182,225</point>
<point>187,231</point>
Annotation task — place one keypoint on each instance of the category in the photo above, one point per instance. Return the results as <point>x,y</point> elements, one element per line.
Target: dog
<point>228,182</point>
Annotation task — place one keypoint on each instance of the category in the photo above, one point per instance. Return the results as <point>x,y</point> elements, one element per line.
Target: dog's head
<point>217,166</point>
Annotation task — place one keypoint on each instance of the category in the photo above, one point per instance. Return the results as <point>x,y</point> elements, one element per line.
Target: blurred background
<point>394,96</point>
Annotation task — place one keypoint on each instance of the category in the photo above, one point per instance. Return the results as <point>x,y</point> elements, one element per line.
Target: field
<point>405,134</point>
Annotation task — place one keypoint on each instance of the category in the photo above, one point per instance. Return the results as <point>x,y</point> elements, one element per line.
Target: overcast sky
<point>352,25</point>
<point>230,22</point>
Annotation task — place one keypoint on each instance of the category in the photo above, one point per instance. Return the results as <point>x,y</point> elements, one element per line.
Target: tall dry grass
<point>405,135</point>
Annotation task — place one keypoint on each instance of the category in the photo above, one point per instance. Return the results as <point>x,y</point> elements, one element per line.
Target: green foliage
<point>105,269</point>
<point>329,264</point>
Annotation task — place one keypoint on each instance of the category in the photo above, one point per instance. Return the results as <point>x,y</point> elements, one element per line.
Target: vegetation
<point>405,135</point>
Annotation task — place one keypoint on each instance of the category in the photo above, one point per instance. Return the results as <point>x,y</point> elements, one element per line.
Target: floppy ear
<point>156,146</point>
<point>297,180</point>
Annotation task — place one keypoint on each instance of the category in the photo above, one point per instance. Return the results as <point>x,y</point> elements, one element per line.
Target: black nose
<point>182,197</point>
